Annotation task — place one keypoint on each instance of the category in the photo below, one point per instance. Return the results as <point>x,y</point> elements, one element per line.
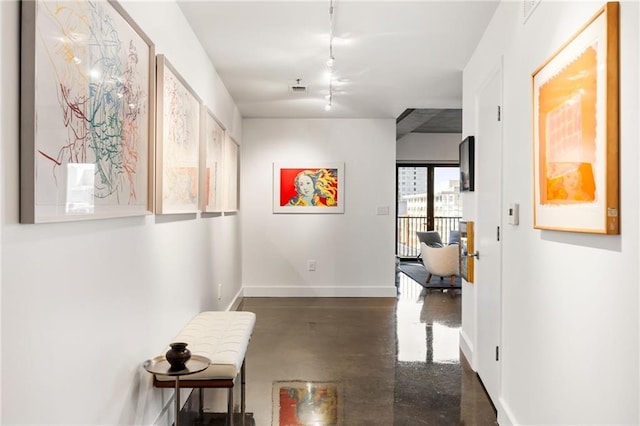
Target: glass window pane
<point>448,204</point>
<point>412,208</point>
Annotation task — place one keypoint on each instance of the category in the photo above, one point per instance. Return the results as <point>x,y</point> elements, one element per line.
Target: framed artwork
<point>575,131</point>
<point>213,140</point>
<point>87,112</point>
<point>230,181</point>
<point>467,251</point>
<point>178,142</point>
<point>466,155</point>
<point>315,188</point>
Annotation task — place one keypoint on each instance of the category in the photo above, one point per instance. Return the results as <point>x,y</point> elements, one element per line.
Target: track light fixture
<point>327,107</point>
<point>331,61</point>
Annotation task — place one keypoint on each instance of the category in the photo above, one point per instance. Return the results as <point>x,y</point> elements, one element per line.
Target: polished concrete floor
<point>361,361</point>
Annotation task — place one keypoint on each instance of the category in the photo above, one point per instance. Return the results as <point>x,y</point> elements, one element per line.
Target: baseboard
<point>466,346</point>
<point>505,416</point>
<point>237,299</point>
<point>167,416</point>
<point>324,291</point>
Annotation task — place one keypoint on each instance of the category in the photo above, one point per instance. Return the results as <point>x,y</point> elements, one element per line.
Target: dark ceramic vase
<point>178,355</point>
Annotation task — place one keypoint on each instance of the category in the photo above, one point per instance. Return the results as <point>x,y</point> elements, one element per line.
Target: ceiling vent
<point>298,87</point>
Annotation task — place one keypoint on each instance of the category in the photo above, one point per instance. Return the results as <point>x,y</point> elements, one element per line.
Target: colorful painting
<point>315,189</point>
<point>178,146</point>
<point>307,404</point>
<point>87,112</point>
<point>214,139</point>
<point>575,102</point>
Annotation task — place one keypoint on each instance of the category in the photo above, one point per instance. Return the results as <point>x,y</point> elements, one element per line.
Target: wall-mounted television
<point>466,164</point>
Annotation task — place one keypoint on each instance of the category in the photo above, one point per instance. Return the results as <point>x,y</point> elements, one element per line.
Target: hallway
<point>374,361</point>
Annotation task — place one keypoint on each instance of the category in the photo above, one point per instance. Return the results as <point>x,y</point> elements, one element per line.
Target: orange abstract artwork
<point>576,131</point>
<point>567,129</point>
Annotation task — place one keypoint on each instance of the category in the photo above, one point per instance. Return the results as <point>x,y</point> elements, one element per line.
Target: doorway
<point>428,198</point>
<point>488,282</point>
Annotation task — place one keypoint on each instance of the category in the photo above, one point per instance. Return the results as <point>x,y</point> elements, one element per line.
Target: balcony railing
<point>407,244</point>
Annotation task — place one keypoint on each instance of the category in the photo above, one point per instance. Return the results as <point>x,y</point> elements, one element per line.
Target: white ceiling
<point>390,55</point>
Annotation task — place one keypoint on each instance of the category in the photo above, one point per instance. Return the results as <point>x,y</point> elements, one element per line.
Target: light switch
<point>382,210</point>
<point>513,214</point>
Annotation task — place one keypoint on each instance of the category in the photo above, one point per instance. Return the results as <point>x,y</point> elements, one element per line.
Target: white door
<point>488,151</point>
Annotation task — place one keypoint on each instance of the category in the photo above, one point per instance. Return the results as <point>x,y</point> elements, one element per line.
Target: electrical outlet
<point>219,291</point>
<point>311,265</point>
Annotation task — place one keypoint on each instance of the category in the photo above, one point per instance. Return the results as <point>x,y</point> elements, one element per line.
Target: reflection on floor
<point>358,361</point>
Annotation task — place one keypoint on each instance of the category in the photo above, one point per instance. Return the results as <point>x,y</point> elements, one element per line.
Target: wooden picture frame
<point>467,166</point>
<point>211,165</point>
<point>467,251</point>
<point>231,176</point>
<point>308,188</point>
<point>576,131</point>
<point>87,113</point>
<point>178,142</point>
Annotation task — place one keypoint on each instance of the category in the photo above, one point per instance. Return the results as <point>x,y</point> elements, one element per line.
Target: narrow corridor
<point>358,361</point>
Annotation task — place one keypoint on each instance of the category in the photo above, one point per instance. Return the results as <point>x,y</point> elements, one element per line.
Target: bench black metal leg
<point>230,407</point>
<point>242,394</point>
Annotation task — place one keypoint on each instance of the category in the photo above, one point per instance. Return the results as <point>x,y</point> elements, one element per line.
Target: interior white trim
<point>316,291</point>
<point>505,415</point>
<point>466,346</point>
<point>237,299</point>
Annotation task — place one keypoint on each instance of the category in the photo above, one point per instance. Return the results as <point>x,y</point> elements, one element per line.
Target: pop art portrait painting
<point>299,188</point>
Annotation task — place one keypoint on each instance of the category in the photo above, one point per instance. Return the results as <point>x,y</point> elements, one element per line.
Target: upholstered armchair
<point>431,238</point>
<point>441,261</point>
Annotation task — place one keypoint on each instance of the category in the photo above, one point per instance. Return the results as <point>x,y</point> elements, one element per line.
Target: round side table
<point>160,365</point>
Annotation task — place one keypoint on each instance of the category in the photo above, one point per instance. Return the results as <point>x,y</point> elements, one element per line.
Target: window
<point>429,201</point>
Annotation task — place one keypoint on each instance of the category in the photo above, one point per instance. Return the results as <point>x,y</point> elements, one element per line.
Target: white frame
<point>340,187</point>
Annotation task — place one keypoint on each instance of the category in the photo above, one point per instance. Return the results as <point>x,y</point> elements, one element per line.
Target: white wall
<point>85,303</point>
<point>428,148</point>
<point>3,130</point>
<point>570,322</point>
<point>354,251</point>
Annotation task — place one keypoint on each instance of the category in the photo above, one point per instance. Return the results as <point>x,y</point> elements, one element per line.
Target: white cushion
<point>222,337</point>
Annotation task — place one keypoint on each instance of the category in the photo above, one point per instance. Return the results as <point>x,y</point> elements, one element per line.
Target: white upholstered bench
<point>223,337</point>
